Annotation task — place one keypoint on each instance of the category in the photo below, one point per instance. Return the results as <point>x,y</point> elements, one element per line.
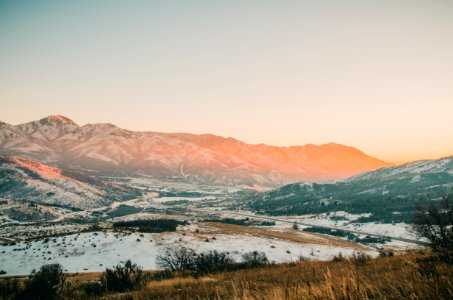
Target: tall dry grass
<point>406,276</point>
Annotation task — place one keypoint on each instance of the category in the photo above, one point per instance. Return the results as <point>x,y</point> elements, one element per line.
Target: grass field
<point>405,276</point>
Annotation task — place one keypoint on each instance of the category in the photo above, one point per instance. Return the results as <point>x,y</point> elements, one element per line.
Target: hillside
<point>404,276</point>
<point>110,150</point>
<point>31,181</point>
<point>389,194</point>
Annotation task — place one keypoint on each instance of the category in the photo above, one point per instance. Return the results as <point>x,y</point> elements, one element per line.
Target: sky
<point>376,75</point>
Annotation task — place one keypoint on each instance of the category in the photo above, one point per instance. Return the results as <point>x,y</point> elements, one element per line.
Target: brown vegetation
<point>292,236</point>
<point>409,276</point>
<point>406,276</point>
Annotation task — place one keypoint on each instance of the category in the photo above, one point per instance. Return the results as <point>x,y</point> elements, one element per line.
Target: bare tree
<point>435,223</point>
<point>177,259</point>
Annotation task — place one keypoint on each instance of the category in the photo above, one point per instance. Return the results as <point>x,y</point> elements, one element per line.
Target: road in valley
<point>298,222</point>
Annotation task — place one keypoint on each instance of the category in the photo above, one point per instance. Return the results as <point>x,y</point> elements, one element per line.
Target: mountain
<point>390,194</point>
<point>205,158</point>
<point>25,179</point>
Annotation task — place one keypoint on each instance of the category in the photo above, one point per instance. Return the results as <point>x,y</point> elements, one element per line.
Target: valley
<point>88,197</point>
<point>88,240</point>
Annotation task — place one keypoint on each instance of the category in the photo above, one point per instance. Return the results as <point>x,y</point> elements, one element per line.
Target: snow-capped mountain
<point>390,193</point>
<point>108,149</point>
<point>25,179</point>
<point>414,171</point>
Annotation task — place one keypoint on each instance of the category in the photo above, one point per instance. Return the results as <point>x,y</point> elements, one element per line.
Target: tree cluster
<point>187,262</point>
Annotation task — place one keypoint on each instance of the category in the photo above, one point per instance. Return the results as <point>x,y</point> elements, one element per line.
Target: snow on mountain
<point>412,169</point>
<point>25,179</point>
<point>109,149</point>
<point>390,194</point>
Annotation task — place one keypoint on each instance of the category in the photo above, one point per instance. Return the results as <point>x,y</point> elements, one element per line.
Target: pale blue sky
<point>377,75</point>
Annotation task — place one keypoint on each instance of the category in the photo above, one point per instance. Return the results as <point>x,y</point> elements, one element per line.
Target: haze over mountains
<point>109,150</point>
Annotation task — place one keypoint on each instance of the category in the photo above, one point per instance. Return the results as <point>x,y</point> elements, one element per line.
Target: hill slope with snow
<point>389,194</point>
<point>108,149</point>
<point>28,180</point>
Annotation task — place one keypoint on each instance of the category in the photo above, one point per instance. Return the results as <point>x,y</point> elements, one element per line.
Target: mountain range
<point>390,194</point>
<point>109,150</point>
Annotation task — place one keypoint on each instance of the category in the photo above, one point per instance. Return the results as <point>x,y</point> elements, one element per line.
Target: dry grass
<point>80,277</point>
<point>88,276</point>
<point>408,276</point>
<point>292,236</point>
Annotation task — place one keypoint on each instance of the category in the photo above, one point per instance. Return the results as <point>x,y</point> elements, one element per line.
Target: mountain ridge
<point>109,149</point>
<point>390,193</point>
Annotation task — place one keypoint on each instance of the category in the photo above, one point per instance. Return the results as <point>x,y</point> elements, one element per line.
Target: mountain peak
<point>108,148</point>
<point>58,119</point>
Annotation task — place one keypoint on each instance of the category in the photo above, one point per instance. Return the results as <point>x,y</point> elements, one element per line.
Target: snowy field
<point>87,252</point>
<point>191,199</point>
<point>397,230</point>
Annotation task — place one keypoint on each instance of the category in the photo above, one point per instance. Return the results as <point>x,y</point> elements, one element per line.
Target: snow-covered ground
<point>95,251</point>
<point>191,199</point>
<point>398,230</point>
<point>338,220</point>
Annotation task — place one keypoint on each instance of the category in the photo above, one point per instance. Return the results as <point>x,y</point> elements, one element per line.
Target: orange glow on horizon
<point>376,75</point>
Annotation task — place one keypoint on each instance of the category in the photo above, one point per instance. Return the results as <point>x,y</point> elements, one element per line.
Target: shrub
<point>254,259</point>
<point>177,259</point>
<point>93,288</point>
<point>162,275</point>
<point>360,258</point>
<point>338,258</point>
<point>302,258</point>
<point>435,223</point>
<point>47,283</point>
<point>125,276</point>
<point>386,253</point>
<point>10,289</point>
<point>212,261</point>
<point>242,222</point>
<point>153,225</point>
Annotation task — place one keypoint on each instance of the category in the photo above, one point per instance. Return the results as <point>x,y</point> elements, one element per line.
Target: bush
<point>338,258</point>
<point>93,288</point>
<point>126,276</point>
<point>212,262</point>
<point>242,222</point>
<point>47,283</point>
<point>254,259</point>
<point>10,289</point>
<point>435,223</point>
<point>162,275</point>
<point>183,261</point>
<point>177,259</point>
<point>386,253</point>
<point>154,225</point>
<point>360,258</point>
